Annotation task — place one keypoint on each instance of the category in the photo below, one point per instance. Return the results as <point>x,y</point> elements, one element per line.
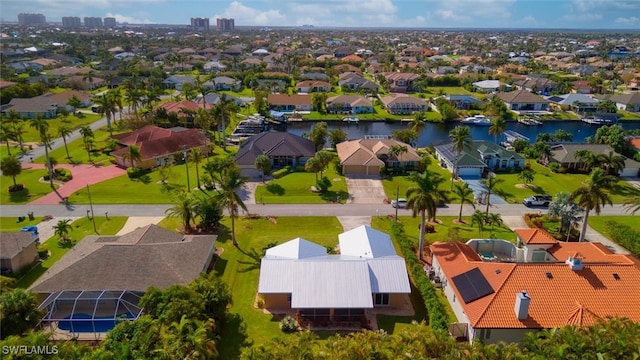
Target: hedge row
<point>625,236</point>
<point>438,318</point>
<point>280,173</point>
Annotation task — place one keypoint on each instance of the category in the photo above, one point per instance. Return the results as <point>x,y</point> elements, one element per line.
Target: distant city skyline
<point>539,14</point>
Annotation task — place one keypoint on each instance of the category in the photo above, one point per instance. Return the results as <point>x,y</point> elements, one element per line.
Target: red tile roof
<point>154,141</point>
<point>177,106</point>
<point>559,296</point>
<point>535,236</point>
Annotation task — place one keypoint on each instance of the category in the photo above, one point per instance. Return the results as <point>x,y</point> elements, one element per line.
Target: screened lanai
<point>87,313</point>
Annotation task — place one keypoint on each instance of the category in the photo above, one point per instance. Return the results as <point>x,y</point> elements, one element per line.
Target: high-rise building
<point>93,22</point>
<point>201,24</point>
<point>71,21</point>
<point>226,25</point>
<point>110,22</point>
<point>31,19</point>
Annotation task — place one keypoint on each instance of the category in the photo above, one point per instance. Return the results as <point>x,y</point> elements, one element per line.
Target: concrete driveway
<point>365,190</point>
<point>476,185</point>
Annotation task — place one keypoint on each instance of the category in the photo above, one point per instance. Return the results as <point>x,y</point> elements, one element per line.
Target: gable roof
<point>472,156</point>
<point>368,151</point>
<point>274,144</point>
<point>286,99</point>
<point>12,243</point>
<point>177,106</point>
<point>535,236</point>
<point>149,256</point>
<point>366,242</point>
<point>297,248</point>
<point>566,152</point>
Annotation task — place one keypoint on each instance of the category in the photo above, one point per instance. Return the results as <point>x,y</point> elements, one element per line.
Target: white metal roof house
<point>300,275</point>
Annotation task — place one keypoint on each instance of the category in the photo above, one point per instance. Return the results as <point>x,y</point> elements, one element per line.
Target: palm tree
<point>397,151</point>
<point>183,209</point>
<point>6,134</point>
<point>263,164</point>
<point>461,140</point>
<point>107,108</point>
<point>225,110</point>
<point>633,202</point>
<point>132,155</point>
<point>87,136</point>
<point>493,220</point>
<point>611,162</point>
<point>196,157</point>
<point>464,192</point>
<point>74,102</point>
<point>491,183</point>
<point>418,123</point>
<point>42,126</point>
<point>11,166</point>
<point>64,131</point>
<point>478,218</point>
<point>588,158</point>
<point>63,228</point>
<point>313,165</point>
<point>13,117</point>
<point>593,194</point>
<point>424,198</point>
<point>498,125</point>
<point>230,181</point>
<point>526,176</point>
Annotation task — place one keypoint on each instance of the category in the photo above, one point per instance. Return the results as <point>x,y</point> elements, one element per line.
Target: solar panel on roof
<point>472,285</point>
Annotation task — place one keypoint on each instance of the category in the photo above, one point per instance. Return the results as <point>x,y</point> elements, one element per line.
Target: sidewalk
<point>83,175</point>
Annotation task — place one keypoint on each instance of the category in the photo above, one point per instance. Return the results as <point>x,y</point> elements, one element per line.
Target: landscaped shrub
<point>533,220</point>
<point>299,168</point>
<point>135,173</point>
<point>288,324</point>
<point>554,167</point>
<point>624,235</point>
<point>437,315</point>
<point>43,253</point>
<point>280,173</point>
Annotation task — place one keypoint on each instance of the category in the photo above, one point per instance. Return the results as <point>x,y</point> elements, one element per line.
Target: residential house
<point>401,82</point>
<point>30,108</point>
<point>403,104</point>
<point>574,102</point>
<point>538,85</point>
<point>367,275</point>
<point>284,149</point>
<point>158,146</point>
<point>349,104</point>
<point>368,156</point>
<point>343,51</point>
<point>355,82</point>
<point>84,83</point>
<point>523,101</point>
<point>213,66</point>
<point>290,103</point>
<point>482,156</point>
<point>18,250</point>
<point>489,86</point>
<point>500,292</point>
<point>462,102</point>
<point>314,76</point>
<point>309,86</point>
<point>565,154</point>
<point>6,84</point>
<point>626,102</point>
<point>177,81</point>
<point>219,83</point>
<point>274,85</point>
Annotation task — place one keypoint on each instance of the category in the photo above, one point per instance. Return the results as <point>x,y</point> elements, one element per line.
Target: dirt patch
<point>459,222</point>
<point>527,186</point>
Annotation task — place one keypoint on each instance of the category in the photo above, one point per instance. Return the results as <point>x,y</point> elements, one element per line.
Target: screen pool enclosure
<point>77,313</point>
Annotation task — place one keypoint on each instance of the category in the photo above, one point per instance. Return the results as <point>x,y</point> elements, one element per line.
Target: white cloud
<point>245,15</point>
<point>627,21</point>
<point>128,19</point>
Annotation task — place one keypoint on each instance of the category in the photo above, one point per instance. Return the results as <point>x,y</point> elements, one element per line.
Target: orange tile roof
<point>535,236</point>
<point>589,252</point>
<point>566,297</point>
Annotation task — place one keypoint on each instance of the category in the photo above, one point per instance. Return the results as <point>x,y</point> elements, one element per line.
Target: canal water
<point>440,131</point>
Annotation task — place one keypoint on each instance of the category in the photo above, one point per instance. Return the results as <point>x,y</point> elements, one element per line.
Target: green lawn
<point>465,231</point>
<point>295,188</point>
<point>546,182</point>
<point>78,153</point>
<point>33,188</point>
<point>12,224</point>
<point>597,222</point>
<point>146,190</point>
<point>73,121</point>
<point>403,183</point>
<point>81,228</point>
<point>626,115</point>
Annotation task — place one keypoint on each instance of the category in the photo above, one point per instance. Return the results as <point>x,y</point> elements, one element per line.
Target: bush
<point>299,168</point>
<point>438,318</point>
<point>280,173</point>
<point>43,253</point>
<point>533,220</point>
<point>135,173</point>
<point>288,324</point>
<point>625,236</point>
<point>554,167</point>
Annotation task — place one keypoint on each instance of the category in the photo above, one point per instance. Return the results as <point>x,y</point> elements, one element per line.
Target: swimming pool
<point>83,323</point>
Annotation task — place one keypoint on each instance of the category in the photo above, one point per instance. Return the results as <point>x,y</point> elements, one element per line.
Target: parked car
<point>537,200</point>
<point>401,203</point>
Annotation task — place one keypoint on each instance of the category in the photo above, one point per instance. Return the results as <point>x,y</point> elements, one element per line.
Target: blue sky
<point>573,14</point>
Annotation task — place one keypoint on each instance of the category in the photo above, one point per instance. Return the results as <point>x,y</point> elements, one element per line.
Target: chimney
<point>575,263</point>
<point>522,305</point>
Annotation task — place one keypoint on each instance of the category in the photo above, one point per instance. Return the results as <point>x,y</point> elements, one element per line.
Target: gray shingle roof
<point>274,144</point>
<point>12,243</point>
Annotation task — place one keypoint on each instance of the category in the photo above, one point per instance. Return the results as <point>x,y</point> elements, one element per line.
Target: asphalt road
<point>274,210</point>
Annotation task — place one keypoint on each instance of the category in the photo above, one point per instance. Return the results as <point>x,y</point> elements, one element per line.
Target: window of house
<point>539,255</point>
<point>485,334</point>
<point>381,299</point>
